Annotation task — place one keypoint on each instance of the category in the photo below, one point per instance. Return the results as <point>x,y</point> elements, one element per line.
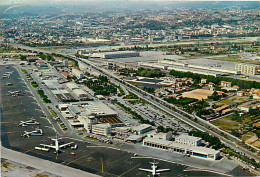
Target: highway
<point>158,103</point>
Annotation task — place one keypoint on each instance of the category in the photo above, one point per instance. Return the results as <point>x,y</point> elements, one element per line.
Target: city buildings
<point>247,69</point>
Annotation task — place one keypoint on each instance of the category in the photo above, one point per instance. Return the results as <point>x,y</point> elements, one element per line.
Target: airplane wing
<point>142,169</point>
<point>162,170</point>
<point>50,146</point>
<point>64,145</point>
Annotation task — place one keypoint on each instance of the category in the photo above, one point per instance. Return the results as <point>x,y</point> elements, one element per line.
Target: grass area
<point>24,71</point>
<point>62,126</point>
<point>117,144</point>
<point>43,96</point>
<point>34,84</point>
<point>235,58</point>
<point>131,96</point>
<point>237,99</point>
<point>133,83</point>
<point>5,164</point>
<point>89,138</point>
<point>53,113</point>
<point>226,123</point>
<point>257,143</point>
<point>247,136</point>
<point>41,175</point>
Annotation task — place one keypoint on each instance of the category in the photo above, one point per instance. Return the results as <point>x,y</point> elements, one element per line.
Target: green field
<point>237,99</point>
<point>226,123</point>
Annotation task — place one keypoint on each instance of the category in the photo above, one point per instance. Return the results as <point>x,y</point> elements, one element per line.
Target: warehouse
<point>196,151</point>
<point>119,54</point>
<point>99,110</point>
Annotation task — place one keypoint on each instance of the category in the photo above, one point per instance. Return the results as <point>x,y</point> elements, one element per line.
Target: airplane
<point>36,132</point>
<point>9,84</point>
<point>154,170</point>
<point>32,121</point>
<point>15,93</point>
<point>57,147</point>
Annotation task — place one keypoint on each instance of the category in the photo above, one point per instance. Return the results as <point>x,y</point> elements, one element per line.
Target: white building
<point>143,128</point>
<point>247,69</point>
<point>66,62</point>
<point>196,151</point>
<point>118,54</point>
<point>79,74</point>
<point>189,140</point>
<point>101,129</point>
<point>164,136</point>
<point>80,93</point>
<point>71,86</point>
<point>99,110</point>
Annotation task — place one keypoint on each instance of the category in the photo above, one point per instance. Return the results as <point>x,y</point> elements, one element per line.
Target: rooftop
<point>188,137</point>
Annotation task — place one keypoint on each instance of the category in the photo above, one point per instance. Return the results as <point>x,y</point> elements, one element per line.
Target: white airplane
<point>57,147</point>
<point>154,170</point>
<point>15,93</point>
<point>9,84</point>
<point>32,121</point>
<point>36,132</point>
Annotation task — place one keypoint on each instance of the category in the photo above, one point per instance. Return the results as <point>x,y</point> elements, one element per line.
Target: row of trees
<point>101,86</point>
<point>149,72</point>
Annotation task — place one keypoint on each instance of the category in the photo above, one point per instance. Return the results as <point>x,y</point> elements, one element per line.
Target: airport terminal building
<point>196,151</point>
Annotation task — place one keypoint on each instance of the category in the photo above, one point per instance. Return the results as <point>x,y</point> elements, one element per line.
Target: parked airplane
<point>9,84</point>
<point>32,121</point>
<point>15,93</point>
<point>57,145</point>
<point>154,170</point>
<point>36,132</point>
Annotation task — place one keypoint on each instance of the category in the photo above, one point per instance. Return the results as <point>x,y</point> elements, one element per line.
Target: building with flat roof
<point>247,68</point>
<point>161,135</point>
<point>143,128</point>
<point>118,54</point>
<point>71,86</point>
<point>79,74</point>
<point>81,94</point>
<point>99,110</point>
<point>195,151</point>
<point>101,129</point>
<point>189,140</point>
<point>32,58</point>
